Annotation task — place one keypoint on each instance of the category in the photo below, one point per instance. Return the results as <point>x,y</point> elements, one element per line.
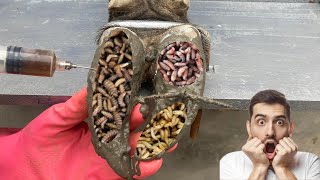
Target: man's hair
<point>269,97</point>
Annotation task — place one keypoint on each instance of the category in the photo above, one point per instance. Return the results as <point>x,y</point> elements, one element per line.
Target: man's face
<point>270,124</point>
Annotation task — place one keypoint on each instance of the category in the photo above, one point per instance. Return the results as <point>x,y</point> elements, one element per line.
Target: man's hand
<point>254,149</point>
<point>285,151</point>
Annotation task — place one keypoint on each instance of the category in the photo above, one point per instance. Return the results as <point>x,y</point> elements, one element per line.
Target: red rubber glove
<point>56,145</point>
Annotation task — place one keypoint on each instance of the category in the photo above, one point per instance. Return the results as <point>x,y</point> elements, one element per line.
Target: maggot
<point>185,75</point>
<point>114,101</point>
<point>103,62</point>
<point>111,56</point>
<point>163,51</point>
<point>187,51</point>
<point>167,113</point>
<point>107,114</point>
<point>181,55</point>
<point>122,114</point>
<point>109,135</point>
<point>156,150</point>
<point>110,88</point>
<point>191,80</point>
<point>127,98</point>
<point>117,49</point>
<point>130,71</point>
<point>94,86</point>
<point>123,48</point>
<point>145,143</point>
<point>166,78</point>
<point>111,125</point>
<point>108,44</point>
<point>199,65</point>
<point>146,155</point>
<point>105,105</point>
<point>110,107</point>
<point>171,50</point>
<point>117,119</point>
<point>128,56</point>
<point>118,71</point>
<point>176,132</point>
<point>113,78</point>
<point>188,57</point>
<point>102,91</point>
<point>101,120</point>
<point>121,99</point>
<point>175,120</point>
<point>108,50</point>
<point>164,66</point>
<point>189,72</point>
<point>119,81</point>
<point>112,64</point>
<point>121,88</point>
<point>180,64</point>
<point>170,46</point>
<point>94,102</point>
<point>117,41</point>
<point>126,75</point>
<point>124,40</point>
<point>103,124</point>
<point>121,58</point>
<point>174,75</point>
<point>169,64</point>
<point>153,134</point>
<point>181,70</point>
<point>99,107</point>
<point>101,77</point>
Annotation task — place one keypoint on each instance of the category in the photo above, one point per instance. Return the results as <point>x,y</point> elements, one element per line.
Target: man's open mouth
<point>270,150</point>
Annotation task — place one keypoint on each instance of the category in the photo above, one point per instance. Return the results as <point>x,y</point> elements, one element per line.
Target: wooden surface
<point>256,46</point>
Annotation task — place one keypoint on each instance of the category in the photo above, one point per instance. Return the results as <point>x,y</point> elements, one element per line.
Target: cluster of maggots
<point>112,87</point>
<point>161,130</point>
<point>180,63</point>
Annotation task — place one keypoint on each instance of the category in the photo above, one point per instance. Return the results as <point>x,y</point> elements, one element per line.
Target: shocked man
<point>270,152</point>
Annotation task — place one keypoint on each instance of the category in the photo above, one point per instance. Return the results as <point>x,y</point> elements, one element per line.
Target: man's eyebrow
<point>281,116</point>
<point>263,115</point>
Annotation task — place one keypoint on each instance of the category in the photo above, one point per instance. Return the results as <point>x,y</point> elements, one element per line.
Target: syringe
<point>35,62</point>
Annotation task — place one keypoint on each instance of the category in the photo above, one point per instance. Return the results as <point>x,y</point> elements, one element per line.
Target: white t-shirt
<point>237,165</point>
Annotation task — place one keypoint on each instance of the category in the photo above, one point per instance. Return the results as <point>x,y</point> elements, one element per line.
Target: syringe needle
<point>67,65</point>
<point>77,66</point>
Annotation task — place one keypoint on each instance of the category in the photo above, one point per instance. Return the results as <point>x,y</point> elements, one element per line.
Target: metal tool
<point>35,62</point>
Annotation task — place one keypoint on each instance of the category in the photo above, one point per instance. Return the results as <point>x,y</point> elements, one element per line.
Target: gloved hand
<point>56,145</point>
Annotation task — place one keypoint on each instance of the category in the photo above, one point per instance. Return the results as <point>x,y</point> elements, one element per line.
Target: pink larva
<point>190,72</point>
<point>170,46</point>
<point>199,65</point>
<point>174,75</point>
<point>169,64</point>
<point>191,80</point>
<point>188,57</point>
<point>193,54</point>
<point>184,75</point>
<point>163,52</point>
<point>181,83</point>
<point>180,64</point>
<point>164,66</point>
<point>171,51</point>
<point>181,70</point>
<point>181,55</point>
